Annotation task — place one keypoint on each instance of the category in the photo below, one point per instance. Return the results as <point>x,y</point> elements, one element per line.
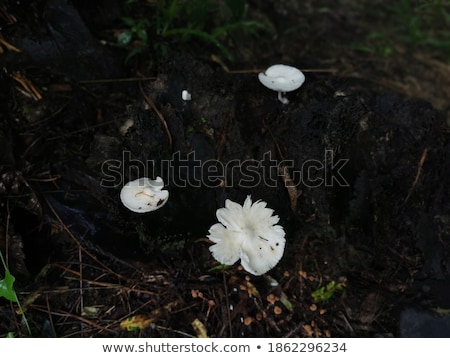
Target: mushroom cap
<point>282,78</point>
<point>259,254</point>
<point>144,195</point>
<point>185,95</point>
<point>247,233</point>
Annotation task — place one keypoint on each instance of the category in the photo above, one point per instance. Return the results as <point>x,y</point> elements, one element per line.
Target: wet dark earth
<point>357,173</point>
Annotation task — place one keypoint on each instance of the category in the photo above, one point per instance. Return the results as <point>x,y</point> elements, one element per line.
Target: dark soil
<point>364,144</point>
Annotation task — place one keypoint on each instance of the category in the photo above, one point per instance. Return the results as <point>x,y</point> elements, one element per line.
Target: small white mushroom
<point>282,78</point>
<point>144,195</point>
<point>126,126</point>
<point>185,95</point>
<point>249,233</point>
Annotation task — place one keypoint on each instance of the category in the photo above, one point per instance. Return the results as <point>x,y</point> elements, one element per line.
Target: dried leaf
<point>90,311</point>
<point>251,289</point>
<point>199,328</point>
<point>136,322</point>
<point>308,330</point>
<point>143,321</point>
<point>31,298</point>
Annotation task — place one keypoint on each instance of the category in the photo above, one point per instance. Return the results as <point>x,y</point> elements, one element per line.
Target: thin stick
<point>223,136</point>
<point>219,61</point>
<point>117,80</point>
<point>8,45</point>
<point>27,85</point>
<point>50,318</point>
<point>8,217</point>
<point>227,302</point>
<point>418,174</point>
<point>68,314</point>
<point>291,188</point>
<point>159,114</point>
<point>80,280</point>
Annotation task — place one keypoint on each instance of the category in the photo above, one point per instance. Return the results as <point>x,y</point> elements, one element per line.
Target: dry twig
<point>418,174</point>
<point>28,88</point>
<point>158,113</point>
<point>8,46</point>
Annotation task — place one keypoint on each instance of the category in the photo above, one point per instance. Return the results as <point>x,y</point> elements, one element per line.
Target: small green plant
<point>6,284</point>
<point>324,293</point>
<point>165,23</point>
<point>418,23</point>
<point>137,31</point>
<point>376,43</point>
<point>421,21</point>
<point>7,291</point>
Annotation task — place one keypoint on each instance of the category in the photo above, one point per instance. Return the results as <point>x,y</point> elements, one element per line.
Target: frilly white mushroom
<point>282,78</point>
<point>144,195</point>
<point>247,233</point>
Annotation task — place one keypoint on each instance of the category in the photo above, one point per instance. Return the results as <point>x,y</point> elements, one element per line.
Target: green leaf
<point>125,38</point>
<point>362,48</point>
<point>6,287</point>
<point>286,303</point>
<point>142,34</point>
<point>129,21</point>
<point>219,267</point>
<point>134,52</point>
<point>324,293</point>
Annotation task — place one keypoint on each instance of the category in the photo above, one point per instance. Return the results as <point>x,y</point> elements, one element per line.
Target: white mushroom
<point>282,78</point>
<point>247,233</point>
<point>185,95</point>
<point>144,195</point>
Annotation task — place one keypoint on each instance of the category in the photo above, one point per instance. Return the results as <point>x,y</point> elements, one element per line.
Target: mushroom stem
<point>282,78</point>
<point>282,99</point>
